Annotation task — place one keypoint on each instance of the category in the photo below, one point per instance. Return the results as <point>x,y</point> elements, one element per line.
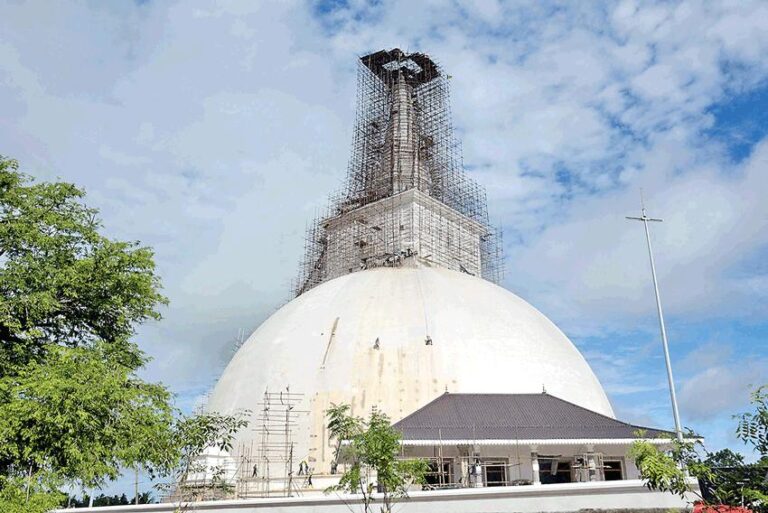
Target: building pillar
<point>535,465</point>
<point>476,468</point>
<point>462,466</point>
<point>592,473</point>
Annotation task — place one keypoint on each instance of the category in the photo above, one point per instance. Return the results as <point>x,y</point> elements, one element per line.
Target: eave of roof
<point>549,441</point>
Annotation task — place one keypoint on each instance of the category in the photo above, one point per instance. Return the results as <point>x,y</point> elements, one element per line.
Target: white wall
<point>524,499</point>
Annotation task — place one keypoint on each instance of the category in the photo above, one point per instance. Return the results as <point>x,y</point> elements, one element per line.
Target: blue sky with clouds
<point>213,131</point>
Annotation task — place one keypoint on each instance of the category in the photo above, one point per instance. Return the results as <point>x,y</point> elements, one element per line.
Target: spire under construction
<point>406,197</point>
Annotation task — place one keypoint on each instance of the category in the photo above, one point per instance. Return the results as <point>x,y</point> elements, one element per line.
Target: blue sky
<point>213,132</point>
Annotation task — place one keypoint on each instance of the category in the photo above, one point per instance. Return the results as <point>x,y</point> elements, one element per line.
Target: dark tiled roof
<point>512,417</point>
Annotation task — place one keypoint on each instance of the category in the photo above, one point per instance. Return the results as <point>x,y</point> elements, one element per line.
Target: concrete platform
<point>628,495</point>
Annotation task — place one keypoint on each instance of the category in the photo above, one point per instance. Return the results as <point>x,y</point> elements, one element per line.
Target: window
<point>612,470</point>
<point>433,477</point>
<point>495,474</point>
<point>554,471</point>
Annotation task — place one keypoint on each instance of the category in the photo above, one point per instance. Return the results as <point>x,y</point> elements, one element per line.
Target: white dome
<point>484,339</point>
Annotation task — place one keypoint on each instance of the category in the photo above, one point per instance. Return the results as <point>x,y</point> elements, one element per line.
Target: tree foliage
<point>752,427</point>
<point>661,469</point>
<point>61,281</point>
<point>342,425</point>
<point>85,414</point>
<point>371,448</point>
<point>723,476</point>
<point>109,500</point>
<point>34,493</point>
<point>73,410</point>
<point>724,458</point>
<point>192,437</point>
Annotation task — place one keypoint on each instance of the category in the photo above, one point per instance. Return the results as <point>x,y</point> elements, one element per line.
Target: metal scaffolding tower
<point>406,194</point>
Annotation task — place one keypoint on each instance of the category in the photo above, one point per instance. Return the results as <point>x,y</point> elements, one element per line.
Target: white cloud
<point>593,264</point>
<point>718,378</point>
<point>721,388</point>
<point>208,134</point>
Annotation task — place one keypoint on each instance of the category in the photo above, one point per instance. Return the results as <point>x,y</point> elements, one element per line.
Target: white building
<point>479,440</point>
<point>397,305</point>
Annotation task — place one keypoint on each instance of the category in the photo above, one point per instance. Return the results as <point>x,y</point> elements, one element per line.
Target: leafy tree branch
<point>370,449</point>
<point>724,478</point>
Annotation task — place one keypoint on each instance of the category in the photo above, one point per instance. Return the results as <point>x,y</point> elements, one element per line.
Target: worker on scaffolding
<point>476,474</point>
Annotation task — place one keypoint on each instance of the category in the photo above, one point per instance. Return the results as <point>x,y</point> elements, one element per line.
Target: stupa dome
<point>396,338</point>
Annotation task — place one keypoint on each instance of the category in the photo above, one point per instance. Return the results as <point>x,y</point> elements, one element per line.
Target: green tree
<point>724,476</point>
<point>371,449</point>
<point>724,458</point>
<point>72,408</point>
<point>109,500</point>
<point>84,414</point>
<point>19,495</point>
<point>753,426</point>
<point>192,436</point>
<point>61,281</point>
<point>663,469</point>
<point>342,425</point>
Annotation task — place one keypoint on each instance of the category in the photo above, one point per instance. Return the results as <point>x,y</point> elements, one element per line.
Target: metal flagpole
<point>645,219</point>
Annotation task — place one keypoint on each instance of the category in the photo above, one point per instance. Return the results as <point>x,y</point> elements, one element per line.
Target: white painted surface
<point>485,339</point>
<point>212,463</point>
<point>553,498</point>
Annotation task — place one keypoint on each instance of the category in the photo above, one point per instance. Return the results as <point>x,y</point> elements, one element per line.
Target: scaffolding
<point>406,194</point>
<point>266,463</point>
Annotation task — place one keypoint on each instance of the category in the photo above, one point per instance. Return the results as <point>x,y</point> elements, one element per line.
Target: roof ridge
<point>495,393</point>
